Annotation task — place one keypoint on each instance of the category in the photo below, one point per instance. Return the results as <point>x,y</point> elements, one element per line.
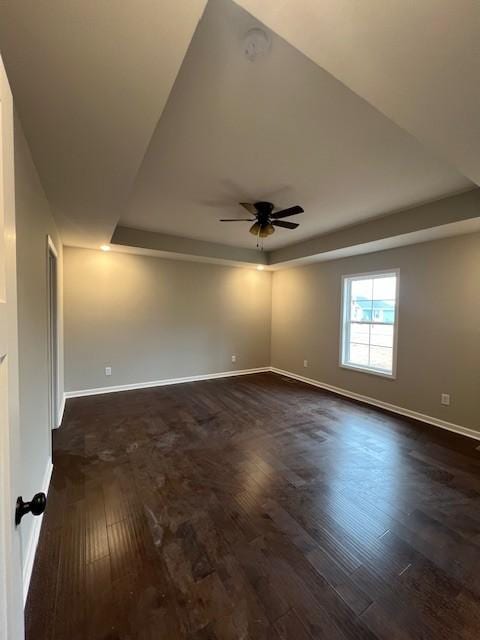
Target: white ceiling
<point>280,128</point>
<point>90,80</point>
<point>417,61</point>
<point>90,84</point>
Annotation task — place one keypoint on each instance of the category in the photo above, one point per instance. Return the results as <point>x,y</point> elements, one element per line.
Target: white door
<point>11,603</point>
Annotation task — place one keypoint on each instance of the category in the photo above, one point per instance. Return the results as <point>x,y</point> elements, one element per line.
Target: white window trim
<point>343,328</point>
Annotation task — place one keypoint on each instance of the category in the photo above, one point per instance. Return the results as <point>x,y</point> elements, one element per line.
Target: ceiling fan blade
<point>236,220</point>
<point>249,207</point>
<point>284,213</point>
<point>285,224</point>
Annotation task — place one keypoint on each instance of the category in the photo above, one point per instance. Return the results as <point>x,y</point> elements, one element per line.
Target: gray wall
<point>438,340</point>
<point>33,223</point>
<point>151,319</point>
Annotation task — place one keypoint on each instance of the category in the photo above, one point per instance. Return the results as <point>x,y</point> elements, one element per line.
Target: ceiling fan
<point>266,219</point>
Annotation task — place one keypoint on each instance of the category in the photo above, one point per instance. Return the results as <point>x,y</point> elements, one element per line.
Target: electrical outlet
<point>108,371</point>
<point>305,363</point>
<point>234,358</point>
<point>445,399</point>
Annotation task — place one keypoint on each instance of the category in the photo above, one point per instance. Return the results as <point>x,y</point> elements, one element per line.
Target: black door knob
<point>36,506</point>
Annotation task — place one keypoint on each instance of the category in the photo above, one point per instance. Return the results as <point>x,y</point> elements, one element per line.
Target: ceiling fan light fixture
<point>266,230</point>
<point>255,228</point>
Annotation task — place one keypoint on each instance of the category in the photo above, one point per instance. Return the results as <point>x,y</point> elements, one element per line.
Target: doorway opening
<point>52,329</point>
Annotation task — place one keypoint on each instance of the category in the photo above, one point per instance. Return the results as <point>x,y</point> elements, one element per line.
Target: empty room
<point>239,320</point>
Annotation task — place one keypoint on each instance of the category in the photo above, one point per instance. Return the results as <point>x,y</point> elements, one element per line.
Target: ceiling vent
<point>256,44</point>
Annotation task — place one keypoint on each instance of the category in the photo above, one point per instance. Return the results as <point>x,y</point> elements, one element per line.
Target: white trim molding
<point>161,383</point>
<point>34,536</point>
<point>61,411</point>
<point>54,393</point>
<point>408,413</point>
<point>436,422</point>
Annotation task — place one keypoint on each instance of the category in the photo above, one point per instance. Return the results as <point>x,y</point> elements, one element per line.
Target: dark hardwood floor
<point>255,508</point>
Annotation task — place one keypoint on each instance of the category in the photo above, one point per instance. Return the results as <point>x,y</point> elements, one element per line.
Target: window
<point>369,322</point>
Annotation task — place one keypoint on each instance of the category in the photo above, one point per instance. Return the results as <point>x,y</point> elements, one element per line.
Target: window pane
<point>381,335</point>
<point>381,358</point>
<point>361,310</point>
<point>358,354</point>
<point>362,288</point>
<point>383,311</point>
<point>369,322</point>
<point>384,288</point>
<point>360,333</point>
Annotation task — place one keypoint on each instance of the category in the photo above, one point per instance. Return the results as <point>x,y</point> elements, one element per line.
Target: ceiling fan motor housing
<point>264,210</point>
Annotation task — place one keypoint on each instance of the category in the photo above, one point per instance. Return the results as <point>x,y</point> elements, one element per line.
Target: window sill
<point>374,372</point>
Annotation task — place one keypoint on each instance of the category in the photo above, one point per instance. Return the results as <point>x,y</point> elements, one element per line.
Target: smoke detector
<point>256,44</point>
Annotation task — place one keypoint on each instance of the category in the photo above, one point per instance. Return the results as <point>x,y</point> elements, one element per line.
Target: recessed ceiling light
<point>260,267</point>
<point>105,247</point>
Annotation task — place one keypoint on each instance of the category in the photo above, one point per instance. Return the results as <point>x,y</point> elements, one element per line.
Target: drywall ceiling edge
<point>448,216</point>
<point>177,245</point>
<point>445,211</point>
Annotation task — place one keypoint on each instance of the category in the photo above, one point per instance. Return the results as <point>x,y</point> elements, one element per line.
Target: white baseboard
<point>436,422</point>
<point>34,536</point>
<point>162,383</point>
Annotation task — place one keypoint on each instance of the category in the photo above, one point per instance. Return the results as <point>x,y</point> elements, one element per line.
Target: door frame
<point>53,334</point>
<point>11,583</point>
